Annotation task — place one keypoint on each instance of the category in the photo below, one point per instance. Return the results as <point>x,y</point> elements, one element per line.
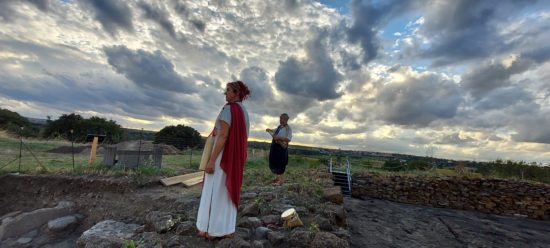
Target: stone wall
<point>493,196</point>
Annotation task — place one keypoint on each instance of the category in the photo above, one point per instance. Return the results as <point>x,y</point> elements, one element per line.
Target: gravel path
<point>381,223</point>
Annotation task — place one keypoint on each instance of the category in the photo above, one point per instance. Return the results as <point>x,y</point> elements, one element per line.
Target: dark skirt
<point>278,158</point>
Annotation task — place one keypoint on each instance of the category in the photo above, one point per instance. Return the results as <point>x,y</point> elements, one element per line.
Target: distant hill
<point>36,121</point>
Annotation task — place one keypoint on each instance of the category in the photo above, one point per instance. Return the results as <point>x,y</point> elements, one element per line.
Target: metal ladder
<point>342,178</point>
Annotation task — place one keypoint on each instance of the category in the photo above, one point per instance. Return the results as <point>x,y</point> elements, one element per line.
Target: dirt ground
<point>97,198</point>
<point>371,222</point>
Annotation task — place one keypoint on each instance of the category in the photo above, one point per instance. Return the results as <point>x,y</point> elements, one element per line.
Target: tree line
<point>74,127</point>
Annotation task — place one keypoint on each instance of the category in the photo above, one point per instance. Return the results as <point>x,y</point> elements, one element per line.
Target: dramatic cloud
<point>484,79</point>
<point>462,79</point>
<point>369,18</point>
<point>113,15</point>
<point>314,76</point>
<point>8,7</point>
<point>148,70</point>
<point>467,29</point>
<point>159,15</point>
<point>419,99</point>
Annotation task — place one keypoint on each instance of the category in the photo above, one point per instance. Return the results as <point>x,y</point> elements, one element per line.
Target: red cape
<point>234,153</point>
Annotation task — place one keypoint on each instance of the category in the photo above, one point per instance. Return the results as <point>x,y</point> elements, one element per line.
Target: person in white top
<point>217,213</point>
<point>278,153</point>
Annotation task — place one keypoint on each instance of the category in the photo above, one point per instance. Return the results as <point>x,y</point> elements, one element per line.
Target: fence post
<point>72,145</point>
<point>20,148</point>
<point>190,155</point>
<point>139,149</point>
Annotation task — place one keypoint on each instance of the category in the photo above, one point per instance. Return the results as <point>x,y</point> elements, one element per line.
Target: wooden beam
<point>181,178</point>
<point>192,181</point>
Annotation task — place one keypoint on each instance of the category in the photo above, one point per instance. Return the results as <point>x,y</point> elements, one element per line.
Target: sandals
<point>211,238</point>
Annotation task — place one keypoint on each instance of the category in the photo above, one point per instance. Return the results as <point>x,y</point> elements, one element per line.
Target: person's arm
<point>220,144</point>
<point>282,138</point>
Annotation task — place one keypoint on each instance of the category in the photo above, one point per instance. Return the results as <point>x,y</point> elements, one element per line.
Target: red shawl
<point>234,153</point>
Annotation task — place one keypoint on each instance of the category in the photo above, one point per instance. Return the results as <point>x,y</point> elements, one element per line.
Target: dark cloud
<point>503,97</point>
<point>159,15</point>
<point>8,12</point>
<point>368,18</point>
<point>491,76</point>
<point>419,101</point>
<point>467,29</point>
<point>533,128</point>
<point>182,9</point>
<point>43,5</point>
<point>313,77</point>
<point>258,81</point>
<point>148,70</point>
<point>112,14</point>
<point>454,139</point>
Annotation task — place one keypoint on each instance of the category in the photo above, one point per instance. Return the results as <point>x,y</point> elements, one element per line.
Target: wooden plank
<point>192,181</point>
<point>178,179</point>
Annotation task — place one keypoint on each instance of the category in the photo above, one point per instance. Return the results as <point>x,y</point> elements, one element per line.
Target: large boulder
<point>15,225</point>
<point>108,234</point>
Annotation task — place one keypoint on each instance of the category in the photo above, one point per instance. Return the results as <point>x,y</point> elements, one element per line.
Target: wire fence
<point>28,155</point>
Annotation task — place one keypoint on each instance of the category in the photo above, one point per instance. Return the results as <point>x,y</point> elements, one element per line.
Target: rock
<point>271,219</point>
<point>160,222</point>
<point>259,243</point>
<point>176,241</point>
<point>328,240</point>
<point>16,225</point>
<point>186,228</point>
<point>261,232</point>
<point>63,224</point>
<point>300,238</point>
<point>149,239</point>
<point>108,233</point>
<point>323,223</point>
<point>251,209</point>
<point>334,195</point>
<point>236,242</point>
<point>249,222</point>
<point>242,232</point>
<point>336,213</point>
<point>249,196</point>
<point>23,241</point>
<point>275,238</point>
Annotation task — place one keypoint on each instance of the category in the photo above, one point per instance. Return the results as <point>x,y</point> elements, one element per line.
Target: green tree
<point>180,136</point>
<point>82,127</point>
<point>16,124</point>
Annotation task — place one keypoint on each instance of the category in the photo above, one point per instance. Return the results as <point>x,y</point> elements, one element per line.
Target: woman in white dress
<point>217,215</point>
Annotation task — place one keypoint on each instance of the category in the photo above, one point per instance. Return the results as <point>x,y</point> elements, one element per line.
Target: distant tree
<point>392,165</point>
<point>418,165</point>
<point>16,124</point>
<point>180,136</point>
<point>81,127</point>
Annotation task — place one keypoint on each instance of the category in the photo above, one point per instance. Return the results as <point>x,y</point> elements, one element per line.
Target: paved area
<point>381,223</point>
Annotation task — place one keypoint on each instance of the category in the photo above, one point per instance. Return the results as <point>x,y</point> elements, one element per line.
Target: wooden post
<point>93,151</point>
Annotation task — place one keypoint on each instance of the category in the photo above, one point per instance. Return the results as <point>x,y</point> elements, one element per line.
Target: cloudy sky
<point>459,79</point>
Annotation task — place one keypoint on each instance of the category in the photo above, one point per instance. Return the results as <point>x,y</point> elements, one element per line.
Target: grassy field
<point>36,152</point>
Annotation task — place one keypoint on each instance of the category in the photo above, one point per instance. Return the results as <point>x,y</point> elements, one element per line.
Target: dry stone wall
<point>493,196</point>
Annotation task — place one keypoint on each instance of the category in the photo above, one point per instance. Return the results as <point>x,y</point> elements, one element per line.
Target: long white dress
<point>217,214</point>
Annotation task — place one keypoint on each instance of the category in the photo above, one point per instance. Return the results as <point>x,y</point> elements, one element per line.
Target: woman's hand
<point>209,168</point>
<point>268,130</point>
